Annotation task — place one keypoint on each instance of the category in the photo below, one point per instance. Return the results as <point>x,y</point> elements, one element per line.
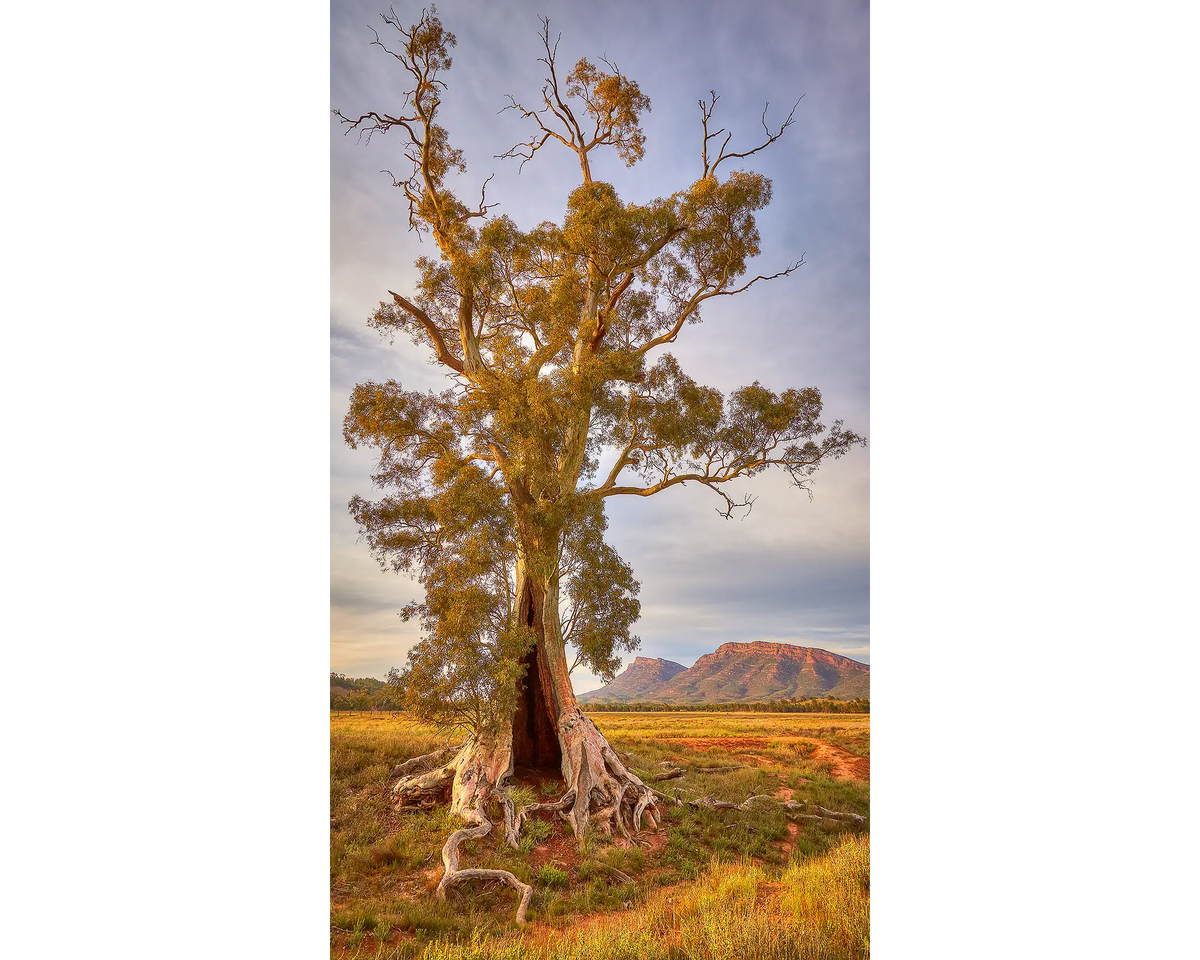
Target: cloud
<point>793,568</point>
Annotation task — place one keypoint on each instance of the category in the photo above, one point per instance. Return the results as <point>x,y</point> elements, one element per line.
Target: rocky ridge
<point>737,672</point>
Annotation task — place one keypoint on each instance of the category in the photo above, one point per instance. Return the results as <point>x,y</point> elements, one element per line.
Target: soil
<point>793,829</point>
<point>845,766</point>
<point>562,851</point>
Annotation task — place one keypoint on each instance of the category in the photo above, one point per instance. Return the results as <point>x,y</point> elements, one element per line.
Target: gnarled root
<point>481,826</point>
<point>469,777</point>
<point>599,786</point>
<point>514,822</point>
<point>669,770</point>
<point>600,789</point>
<point>715,804</point>
<point>793,808</point>
<point>426,781</point>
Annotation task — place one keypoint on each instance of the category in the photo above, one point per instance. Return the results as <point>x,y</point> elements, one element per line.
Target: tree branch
<point>439,343</point>
<point>710,170</point>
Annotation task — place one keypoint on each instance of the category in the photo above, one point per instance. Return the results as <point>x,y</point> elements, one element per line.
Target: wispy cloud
<point>793,569</point>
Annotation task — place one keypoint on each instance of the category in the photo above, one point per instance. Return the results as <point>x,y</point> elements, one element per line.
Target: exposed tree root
<point>600,789</point>
<point>453,877</point>
<point>468,777</point>
<point>428,782</point>
<point>715,804</point>
<point>792,808</point>
<point>674,801</point>
<point>668,770</point>
<point>419,765</point>
<point>605,791</point>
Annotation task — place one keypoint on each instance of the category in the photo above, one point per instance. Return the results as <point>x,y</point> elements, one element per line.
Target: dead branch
<point>793,808</point>
<point>706,112</point>
<point>623,877</point>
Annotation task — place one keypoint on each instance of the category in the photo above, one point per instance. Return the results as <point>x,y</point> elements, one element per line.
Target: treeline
<point>797,705</point>
<point>361,693</point>
<point>367,693</point>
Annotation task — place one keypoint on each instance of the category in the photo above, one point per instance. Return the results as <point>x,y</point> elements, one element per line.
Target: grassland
<point>712,884</point>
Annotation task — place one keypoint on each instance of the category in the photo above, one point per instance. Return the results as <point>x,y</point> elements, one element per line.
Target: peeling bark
<point>423,764</point>
<point>549,727</point>
<point>548,730</point>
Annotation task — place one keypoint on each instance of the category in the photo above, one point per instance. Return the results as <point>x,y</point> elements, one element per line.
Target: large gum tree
<point>552,339</point>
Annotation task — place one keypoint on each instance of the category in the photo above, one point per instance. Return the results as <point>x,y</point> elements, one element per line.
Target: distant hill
<point>341,685</point>
<point>739,672</point>
<point>637,681</point>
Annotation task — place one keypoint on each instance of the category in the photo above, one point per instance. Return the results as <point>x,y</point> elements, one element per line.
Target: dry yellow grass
<point>713,884</point>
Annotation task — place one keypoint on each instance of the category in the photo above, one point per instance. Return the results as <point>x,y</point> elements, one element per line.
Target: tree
<point>552,339</point>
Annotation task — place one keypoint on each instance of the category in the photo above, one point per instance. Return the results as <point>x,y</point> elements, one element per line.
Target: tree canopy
<point>554,340</point>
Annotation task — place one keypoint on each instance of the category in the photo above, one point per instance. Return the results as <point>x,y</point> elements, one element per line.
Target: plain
<point>710,883</point>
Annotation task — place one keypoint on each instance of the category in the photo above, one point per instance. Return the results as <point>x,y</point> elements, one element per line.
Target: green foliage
<point>552,877</point>
<point>491,496</point>
<point>696,897</point>
<point>535,832</point>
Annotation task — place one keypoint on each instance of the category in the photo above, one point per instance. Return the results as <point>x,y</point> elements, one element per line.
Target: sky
<point>794,570</point>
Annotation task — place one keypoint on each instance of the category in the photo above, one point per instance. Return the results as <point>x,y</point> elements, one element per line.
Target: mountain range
<point>739,672</point>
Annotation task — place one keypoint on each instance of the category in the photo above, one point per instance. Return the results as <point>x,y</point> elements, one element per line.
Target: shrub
<point>552,877</point>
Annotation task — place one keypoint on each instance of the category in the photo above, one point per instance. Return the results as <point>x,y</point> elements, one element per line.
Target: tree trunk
<point>548,730</point>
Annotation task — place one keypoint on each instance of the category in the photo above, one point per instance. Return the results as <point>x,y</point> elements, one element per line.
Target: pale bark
<point>599,784</point>
<point>419,765</point>
<point>481,826</point>
<point>598,787</point>
<point>792,808</point>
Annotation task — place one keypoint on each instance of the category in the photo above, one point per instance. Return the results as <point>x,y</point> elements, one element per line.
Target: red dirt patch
<point>719,743</point>
<point>561,850</point>
<point>652,841</point>
<point>845,766</point>
<point>793,829</point>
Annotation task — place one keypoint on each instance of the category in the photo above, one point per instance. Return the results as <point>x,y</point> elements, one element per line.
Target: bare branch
<point>554,105</point>
<point>439,343</point>
<point>774,276</point>
<point>706,111</point>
